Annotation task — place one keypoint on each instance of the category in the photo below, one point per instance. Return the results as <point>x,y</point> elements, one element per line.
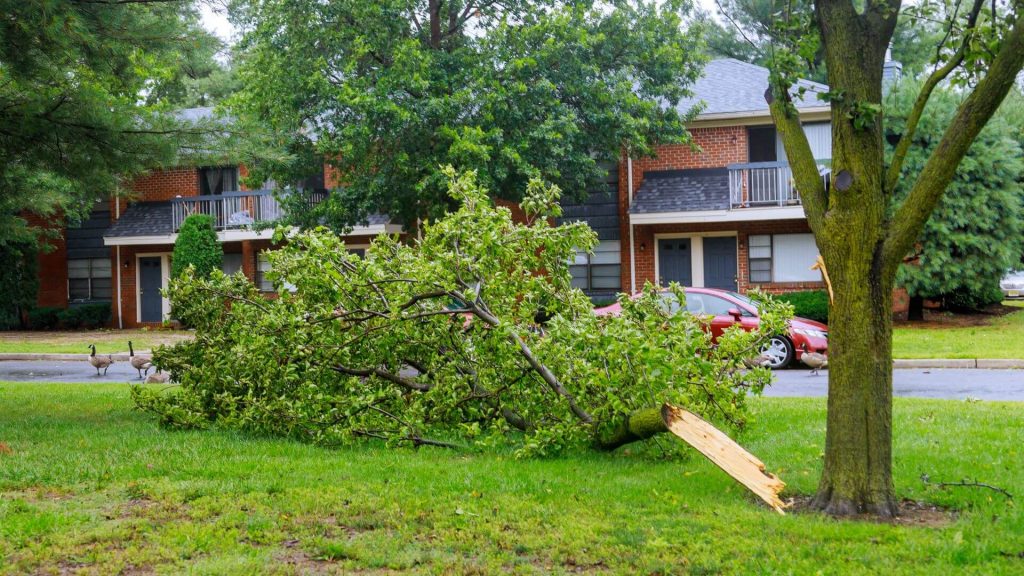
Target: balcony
<point>233,210</point>
<point>766,184</point>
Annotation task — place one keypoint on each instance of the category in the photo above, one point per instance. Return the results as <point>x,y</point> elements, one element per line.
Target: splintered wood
<point>725,453</point>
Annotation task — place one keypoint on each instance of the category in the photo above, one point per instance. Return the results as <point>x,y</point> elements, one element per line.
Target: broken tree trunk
<point>725,453</point>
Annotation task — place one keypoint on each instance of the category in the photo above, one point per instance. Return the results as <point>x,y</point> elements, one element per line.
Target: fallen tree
<point>438,341</point>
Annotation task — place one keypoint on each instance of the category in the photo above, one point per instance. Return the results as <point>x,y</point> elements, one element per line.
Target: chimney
<point>891,71</point>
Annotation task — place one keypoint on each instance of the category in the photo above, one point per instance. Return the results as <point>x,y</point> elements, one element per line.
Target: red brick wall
<point>718,147</point>
<point>644,238</point>
<point>53,265</point>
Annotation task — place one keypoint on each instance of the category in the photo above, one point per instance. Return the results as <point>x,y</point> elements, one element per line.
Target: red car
<point>729,308</point>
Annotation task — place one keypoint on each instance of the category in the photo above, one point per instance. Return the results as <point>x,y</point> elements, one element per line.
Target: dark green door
<point>674,261</point>
<point>150,281</point>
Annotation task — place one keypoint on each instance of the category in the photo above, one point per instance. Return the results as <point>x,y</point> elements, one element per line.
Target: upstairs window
<point>218,180</point>
<point>89,279</point>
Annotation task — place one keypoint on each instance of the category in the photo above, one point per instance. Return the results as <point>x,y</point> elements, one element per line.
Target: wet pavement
<point>917,383</point>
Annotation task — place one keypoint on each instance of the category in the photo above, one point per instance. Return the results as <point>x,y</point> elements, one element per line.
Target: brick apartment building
<point>725,215</point>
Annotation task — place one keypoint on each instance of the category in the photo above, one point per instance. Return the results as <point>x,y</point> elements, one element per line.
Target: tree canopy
<point>73,121</point>
<point>391,91</point>
<point>976,232</point>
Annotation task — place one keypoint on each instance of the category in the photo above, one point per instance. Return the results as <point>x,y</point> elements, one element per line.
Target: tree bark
<point>857,474</point>
<point>639,425</point>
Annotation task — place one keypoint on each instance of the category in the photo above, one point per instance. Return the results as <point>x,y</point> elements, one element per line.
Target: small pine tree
<point>197,246</point>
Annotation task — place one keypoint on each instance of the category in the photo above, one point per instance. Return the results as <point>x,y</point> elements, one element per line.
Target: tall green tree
<point>72,122</point>
<point>861,236</point>
<point>203,75</point>
<point>390,91</point>
<point>977,229</point>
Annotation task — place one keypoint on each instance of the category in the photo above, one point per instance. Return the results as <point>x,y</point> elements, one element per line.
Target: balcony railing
<point>232,210</point>
<point>766,184</point>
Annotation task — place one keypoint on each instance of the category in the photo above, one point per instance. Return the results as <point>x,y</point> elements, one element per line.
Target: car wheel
<point>779,351</point>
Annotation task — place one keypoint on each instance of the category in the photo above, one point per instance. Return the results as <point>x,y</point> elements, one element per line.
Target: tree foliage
<point>437,341</point>
<point>976,232</point>
<point>72,79</point>
<point>19,282</point>
<point>197,247</point>
<point>390,91</point>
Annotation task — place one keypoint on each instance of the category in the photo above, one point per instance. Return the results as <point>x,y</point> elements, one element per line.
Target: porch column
<point>248,260</point>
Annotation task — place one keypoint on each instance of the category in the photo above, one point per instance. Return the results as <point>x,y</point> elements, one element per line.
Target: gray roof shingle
<point>682,191</point>
<point>143,219</point>
<point>731,86</point>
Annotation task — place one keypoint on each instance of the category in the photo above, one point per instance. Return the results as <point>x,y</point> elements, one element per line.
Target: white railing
<point>232,209</point>
<point>765,184</point>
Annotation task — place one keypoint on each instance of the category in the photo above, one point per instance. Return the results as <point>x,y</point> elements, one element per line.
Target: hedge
<point>811,304</point>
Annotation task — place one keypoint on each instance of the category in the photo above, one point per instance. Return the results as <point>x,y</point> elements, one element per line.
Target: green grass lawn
<point>1002,338</point>
<point>77,342</point>
<point>87,485</point>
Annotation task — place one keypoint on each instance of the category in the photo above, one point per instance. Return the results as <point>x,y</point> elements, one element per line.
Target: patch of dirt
<point>298,560</point>
<point>947,319</point>
<point>911,513</point>
<point>5,449</point>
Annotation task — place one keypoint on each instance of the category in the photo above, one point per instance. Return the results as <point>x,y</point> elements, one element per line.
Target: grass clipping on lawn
<point>725,453</point>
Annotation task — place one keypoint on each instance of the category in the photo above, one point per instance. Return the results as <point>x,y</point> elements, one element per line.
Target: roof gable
<point>730,86</point>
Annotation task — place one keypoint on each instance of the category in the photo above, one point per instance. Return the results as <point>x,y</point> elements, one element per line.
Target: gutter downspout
<point>117,216</point>
<point>632,254</point>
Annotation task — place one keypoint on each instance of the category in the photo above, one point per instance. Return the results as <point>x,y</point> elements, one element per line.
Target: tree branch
<point>970,118</point>
<point>938,75</point>
<point>805,170</point>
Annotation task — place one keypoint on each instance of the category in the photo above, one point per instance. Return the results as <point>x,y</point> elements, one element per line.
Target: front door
<point>720,262</point>
<point>674,261</point>
<point>151,277</point>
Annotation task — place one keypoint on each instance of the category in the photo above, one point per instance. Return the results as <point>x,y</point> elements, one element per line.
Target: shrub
<point>812,304</point>
<point>44,318</point>
<point>197,246</point>
<point>85,316</point>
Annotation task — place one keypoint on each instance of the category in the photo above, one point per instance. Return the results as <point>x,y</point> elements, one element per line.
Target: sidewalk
<point>901,363</point>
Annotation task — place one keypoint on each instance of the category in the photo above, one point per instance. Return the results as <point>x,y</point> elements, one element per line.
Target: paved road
<point>75,372</point>
<point>919,383</point>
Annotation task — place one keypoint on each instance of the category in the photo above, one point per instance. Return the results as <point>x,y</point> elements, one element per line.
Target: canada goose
<point>757,362</point>
<point>158,377</point>
<point>813,359</point>
<point>99,361</point>
<point>140,362</point>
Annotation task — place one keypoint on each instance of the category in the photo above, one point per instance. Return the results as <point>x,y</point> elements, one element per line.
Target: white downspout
<point>117,216</point>
<point>632,256</point>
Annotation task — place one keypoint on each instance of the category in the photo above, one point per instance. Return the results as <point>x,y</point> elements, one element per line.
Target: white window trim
<point>696,252</point>
<point>165,274</point>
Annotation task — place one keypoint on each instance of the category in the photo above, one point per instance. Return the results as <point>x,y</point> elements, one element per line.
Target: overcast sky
<point>215,17</point>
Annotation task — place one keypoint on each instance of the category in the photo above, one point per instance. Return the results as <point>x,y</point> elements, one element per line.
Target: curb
<point>960,363</point>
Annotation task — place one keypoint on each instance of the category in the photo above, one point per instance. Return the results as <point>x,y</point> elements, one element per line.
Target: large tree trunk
<point>857,476</point>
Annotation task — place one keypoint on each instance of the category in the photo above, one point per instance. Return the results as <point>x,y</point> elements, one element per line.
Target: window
<point>89,279</point>
<point>232,263</point>
<point>218,180</point>
<point>783,258</point>
<point>264,284</point>
<point>600,271</point>
<point>760,258</point>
